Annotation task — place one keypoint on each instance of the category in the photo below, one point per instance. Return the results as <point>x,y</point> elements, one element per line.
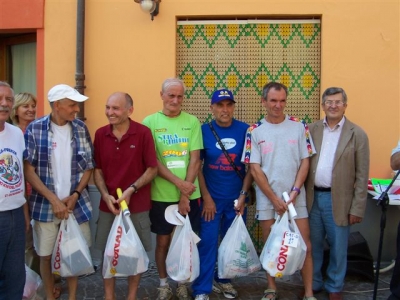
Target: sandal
<point>57,286</point>
<point>270,292</point>
<point>57,290</point>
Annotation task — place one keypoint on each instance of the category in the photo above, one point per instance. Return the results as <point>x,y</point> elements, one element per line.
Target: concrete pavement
<point>249,288</point>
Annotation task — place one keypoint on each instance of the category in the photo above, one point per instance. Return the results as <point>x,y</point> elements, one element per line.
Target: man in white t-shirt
<point>58,164</point>
<point>277,150</point>
<point>14,219</point>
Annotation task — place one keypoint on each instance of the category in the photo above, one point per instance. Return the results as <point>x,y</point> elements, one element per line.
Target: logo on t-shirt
<point>228,143</point>
<point>173,139</point>
<point>10,169</point>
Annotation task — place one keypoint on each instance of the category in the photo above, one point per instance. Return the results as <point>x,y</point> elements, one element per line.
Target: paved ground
<point>249,288</point>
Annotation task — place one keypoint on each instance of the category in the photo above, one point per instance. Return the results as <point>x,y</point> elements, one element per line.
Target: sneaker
<point>182,292</point>
<point>226,289</point>
<point>164,292</point>
<point>202,297</point>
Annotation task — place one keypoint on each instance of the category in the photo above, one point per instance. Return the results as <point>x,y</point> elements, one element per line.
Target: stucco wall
<point>126,51</point>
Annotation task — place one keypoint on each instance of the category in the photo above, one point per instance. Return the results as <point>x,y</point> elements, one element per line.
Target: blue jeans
<point>12,254</point>
<point>323,225</point>
<point>208,246</point>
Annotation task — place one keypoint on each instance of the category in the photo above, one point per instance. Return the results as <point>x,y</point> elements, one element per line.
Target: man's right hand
<point>60,210</point>
<point>209,209</point>
<point>187,188</point>
<point>280,206</point>
<point>110,201</point>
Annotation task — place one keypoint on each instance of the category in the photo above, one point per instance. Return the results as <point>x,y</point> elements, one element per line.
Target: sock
<point>163,281</point>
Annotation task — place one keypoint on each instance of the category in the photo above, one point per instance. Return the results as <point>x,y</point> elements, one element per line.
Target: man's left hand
<point>70,201</point>
<point>293,196</point>
<point>241,203</point>
<point>184,205</point>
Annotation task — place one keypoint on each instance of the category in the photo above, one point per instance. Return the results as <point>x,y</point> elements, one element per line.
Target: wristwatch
<point>134,187</point>
<point>242,192</point>
<point>296,190</point>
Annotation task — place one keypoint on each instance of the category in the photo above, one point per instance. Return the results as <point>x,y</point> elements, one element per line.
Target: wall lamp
<point>150,6</point>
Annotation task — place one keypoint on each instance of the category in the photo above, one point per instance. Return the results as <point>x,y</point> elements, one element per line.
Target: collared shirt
<point>38,142</point>
<point>330,141</point>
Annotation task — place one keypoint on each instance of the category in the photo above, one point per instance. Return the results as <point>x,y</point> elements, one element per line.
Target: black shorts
<point>159,224</point>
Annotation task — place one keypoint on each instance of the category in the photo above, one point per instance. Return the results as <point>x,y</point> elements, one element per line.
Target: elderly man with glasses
<point>336,188</point>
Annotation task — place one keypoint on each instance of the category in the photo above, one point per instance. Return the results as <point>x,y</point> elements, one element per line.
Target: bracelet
<point>242,192</point>
<point>295,189</point>
<point>134,187</point>
<point>76,192</point>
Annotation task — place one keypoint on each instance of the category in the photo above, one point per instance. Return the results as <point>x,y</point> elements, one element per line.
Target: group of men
<point>171,159</point>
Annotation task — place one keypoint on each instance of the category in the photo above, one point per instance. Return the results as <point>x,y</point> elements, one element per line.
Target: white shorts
<point>45,235</point>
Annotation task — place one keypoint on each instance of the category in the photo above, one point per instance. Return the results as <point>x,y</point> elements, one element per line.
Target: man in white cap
<point>58,164</point>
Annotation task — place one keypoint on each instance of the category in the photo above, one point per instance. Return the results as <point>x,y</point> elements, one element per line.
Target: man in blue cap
<point>220,185</point>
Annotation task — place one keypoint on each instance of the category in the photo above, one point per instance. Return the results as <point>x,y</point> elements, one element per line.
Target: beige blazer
<point>350,171</point>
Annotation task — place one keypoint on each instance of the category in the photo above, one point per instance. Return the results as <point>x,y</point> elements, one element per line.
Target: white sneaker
<point>202,297</point>
<point>226,289</point>
<point>164,292</point>
<point>182,292</point>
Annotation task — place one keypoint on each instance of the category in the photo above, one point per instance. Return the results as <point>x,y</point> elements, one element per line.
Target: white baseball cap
<point>62,91</point>
<point>173,216</point>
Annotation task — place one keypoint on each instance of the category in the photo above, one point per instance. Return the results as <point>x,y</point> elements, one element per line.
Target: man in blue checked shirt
<point>58,162</point>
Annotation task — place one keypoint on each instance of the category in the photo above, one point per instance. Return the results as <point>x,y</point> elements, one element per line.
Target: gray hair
<point>6,84</point>
<point>273,85</point>
<point>172,82</point>
<point>129,100</point>
<point>333,91</point>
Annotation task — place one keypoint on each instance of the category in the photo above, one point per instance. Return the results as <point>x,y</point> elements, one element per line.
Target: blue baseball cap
<point>222,94</point>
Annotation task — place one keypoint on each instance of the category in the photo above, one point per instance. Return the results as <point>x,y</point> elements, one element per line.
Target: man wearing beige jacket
<point>336,188</point>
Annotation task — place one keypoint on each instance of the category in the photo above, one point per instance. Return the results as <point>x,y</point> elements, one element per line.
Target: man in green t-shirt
<point>178,141</point>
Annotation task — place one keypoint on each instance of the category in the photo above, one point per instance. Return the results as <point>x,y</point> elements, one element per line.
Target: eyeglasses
<point>334,102</point>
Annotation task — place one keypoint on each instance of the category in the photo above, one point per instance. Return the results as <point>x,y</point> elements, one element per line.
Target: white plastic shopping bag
<point>237,256</point>
<point>285,250</point>
<point>183,261</point>
<point>32,283</point>
<point>124,254</point>
<point>71,255</point>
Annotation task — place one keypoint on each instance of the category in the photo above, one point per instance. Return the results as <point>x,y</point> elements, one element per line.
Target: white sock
<point>163,281</point>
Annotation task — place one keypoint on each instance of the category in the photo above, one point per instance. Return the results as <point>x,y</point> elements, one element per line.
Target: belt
<point>322,189</point>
